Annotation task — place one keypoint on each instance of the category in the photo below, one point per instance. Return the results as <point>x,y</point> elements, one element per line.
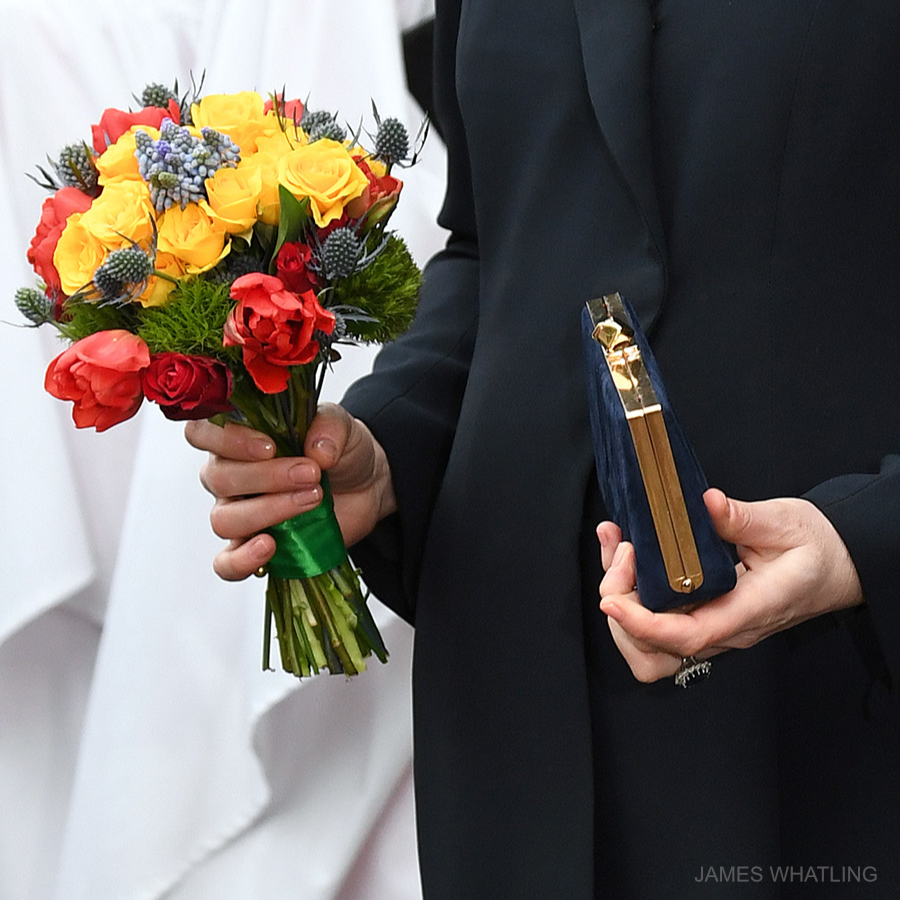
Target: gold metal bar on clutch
<point>644,414</point>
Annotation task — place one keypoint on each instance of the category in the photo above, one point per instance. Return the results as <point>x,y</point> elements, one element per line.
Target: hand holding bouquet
<point>209,254</point>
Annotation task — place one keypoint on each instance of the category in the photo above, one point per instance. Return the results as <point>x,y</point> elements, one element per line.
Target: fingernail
<point>261,449</point>
<point>258,549</point>
<point>617,556</point>
<point>308,496</point>
<point>302,473</point>
<point>327,448</point>
<point>602,537</point>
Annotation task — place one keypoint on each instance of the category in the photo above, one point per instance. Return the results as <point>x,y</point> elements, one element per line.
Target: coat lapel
<point>616,37</point>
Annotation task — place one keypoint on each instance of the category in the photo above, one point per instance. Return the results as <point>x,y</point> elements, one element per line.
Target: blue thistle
<point>123,275</point>
<point>340,328</point>
<point>157,95</point>
<point>391,142</point>
<point>340,253</point>
<point>234,266</point>
<point>321,124</point>
<point>35,305</point>
<point>177,164</point>
<point>75,168</point>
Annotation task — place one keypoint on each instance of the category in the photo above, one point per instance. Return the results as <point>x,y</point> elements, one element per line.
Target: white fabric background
<point>143,754</point>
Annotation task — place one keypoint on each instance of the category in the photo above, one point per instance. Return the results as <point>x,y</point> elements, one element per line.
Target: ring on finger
<point>692,671</point>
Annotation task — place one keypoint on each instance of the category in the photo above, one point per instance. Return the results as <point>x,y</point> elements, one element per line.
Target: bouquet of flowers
<point>209,253</point>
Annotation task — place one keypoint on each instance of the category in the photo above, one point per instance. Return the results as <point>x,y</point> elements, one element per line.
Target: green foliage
<point>190,322</point>
<point>294,215</point>
<point>83,318</point>
<point>387,290</point>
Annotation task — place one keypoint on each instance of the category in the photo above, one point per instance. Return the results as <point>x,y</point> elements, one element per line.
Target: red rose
<point>291,267</point>
<point>288,109</point>
<point>115,122</point>
<point>54,214</point>
<point>101,374</point>
<point>381,194</point>
<point>187,387</point>
<point>274,328</point>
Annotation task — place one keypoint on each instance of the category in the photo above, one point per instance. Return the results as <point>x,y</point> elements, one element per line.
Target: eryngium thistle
<point>340,328</point>
<point>391,141</point>
<point>123,274</point>
<point>234,266</point>
<point>157,95</point>
<point>340,253</point>
<point>176,166</point>
<point>75,168</point>
<point>321,124</point>
<point>35,305</point>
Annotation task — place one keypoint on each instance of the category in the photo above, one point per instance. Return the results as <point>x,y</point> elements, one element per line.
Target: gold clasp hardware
<point>613,331</point>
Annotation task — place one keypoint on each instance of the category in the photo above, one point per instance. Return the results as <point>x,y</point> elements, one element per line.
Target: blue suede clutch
<point>650,479</point>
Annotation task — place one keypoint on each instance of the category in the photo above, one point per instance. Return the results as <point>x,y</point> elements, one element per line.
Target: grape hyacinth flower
<point>177,164</point>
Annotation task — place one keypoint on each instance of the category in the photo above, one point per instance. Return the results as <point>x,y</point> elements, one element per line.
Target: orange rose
<point>115,122</point>
<point>101,375</point>
<point>54,214</point>
<point>381,195</point>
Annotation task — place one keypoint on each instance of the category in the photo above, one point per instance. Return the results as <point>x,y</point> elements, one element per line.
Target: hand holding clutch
<point>794,566</point>
<point>650,479</point>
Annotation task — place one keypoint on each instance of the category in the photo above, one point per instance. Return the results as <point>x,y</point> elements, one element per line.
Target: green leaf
<point>293,218</point>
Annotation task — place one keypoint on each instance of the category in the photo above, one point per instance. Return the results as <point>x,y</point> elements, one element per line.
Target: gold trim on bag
<point>613,331</point>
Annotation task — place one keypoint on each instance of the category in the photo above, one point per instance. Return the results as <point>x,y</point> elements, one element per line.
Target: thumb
<point>742,523</point>
<point>342,446</point>
<point>328,434</point>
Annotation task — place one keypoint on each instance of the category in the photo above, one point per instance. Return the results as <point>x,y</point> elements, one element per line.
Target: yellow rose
<point>121,214</point>
<point>118,162</point>
<point>193,236</point>
<point>78,254</point>
<point>233,196</point>
<point>268,208</point>
<point>278,142</point>
<point>241,116</point>
<point>270,148</point>
<point>325,172</point>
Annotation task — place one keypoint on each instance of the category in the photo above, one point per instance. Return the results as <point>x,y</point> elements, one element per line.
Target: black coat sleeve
<point>411,401</point>
<point>865,510</point>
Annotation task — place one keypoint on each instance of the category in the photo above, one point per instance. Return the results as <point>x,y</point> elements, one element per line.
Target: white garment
<point>143,754</point>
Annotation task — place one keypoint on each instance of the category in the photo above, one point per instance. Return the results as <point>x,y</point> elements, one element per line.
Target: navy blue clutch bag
<point>650,479</point>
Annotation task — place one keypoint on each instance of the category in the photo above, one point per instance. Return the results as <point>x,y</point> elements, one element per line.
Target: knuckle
<point>223,479</point>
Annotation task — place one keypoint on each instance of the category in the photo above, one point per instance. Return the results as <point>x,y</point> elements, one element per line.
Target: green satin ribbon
<point>308,544</point>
